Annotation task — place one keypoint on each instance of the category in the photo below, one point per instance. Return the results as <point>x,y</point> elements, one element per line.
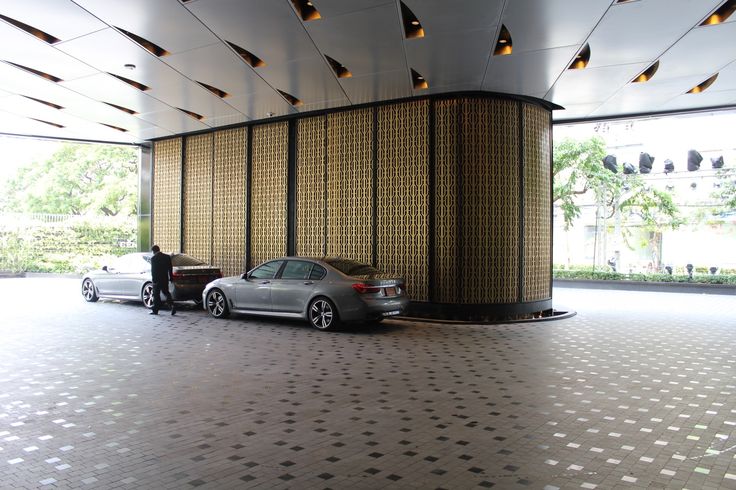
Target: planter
<point>7,274</point>
<point>660,287</point>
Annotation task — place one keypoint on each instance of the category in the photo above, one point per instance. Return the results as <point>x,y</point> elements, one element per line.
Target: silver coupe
<point>326,292</point>
<point>129,277</point>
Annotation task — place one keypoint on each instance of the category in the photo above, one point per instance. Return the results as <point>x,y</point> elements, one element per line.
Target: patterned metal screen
<point>229,201</point>
<point>198,196</point>
<point>350,184</point>
<point>311,188</point>
<point>270,158</point>
<point>402,193</point>
<point>166,220</point>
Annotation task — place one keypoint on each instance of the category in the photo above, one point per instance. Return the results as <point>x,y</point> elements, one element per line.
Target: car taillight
<point>176,275</point>
<point>365,288</point>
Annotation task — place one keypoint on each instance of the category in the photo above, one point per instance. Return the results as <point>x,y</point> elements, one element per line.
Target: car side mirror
<point>104,268</point>
<point>244,276</point>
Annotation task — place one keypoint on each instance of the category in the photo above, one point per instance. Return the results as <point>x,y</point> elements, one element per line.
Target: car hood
<point>227,280</point>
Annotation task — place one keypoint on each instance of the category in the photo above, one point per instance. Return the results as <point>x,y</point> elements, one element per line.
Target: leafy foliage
<point>578,170</point>
<point>614,276</point>
<point>78,179</point>
<point>726,194</point>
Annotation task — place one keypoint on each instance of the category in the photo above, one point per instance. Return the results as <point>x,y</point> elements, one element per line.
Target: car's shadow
<point>383,327</point>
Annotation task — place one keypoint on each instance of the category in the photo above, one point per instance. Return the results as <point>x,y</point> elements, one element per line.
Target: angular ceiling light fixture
<point>291,99</point>
<point>418,80</point>
<point>412,26</point>
<point>132,83</point>
<point>43,36</point>
<point>504,45</point>
<point>36,72</point>
<point>721,14</point>
<point>114,127</point>
<point>50,104</point>
<point>338,68</point>
<point>196,116</point>
<point>306,10</point>
<point>647,74</point>
<point>581,59</point>
<point>47,122</point>
<point>703,86</point>
<point>220,93</point>
<point>152,48</point>
<point>121,108</point>
<point>253,60</point>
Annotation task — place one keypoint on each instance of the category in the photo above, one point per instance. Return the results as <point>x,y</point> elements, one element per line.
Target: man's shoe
<point>173,311</point>
<point>153,313</point>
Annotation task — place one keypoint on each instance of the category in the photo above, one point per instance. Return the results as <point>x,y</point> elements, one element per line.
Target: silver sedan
<point>324,291</point>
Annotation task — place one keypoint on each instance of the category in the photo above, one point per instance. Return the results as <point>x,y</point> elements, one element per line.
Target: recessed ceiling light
<point>270,114</point>
<point>129,66</point>
<point>504,44</point>
<point>412,26</point>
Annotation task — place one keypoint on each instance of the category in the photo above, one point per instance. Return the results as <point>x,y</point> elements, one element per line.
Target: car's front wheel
<point>216,304</point>
<point>88,291</point>
<point>323,314</point>
<point>147,295</point>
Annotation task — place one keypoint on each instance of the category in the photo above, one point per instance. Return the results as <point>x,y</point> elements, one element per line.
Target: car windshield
<point>179,260</point>
<point>352,268</point>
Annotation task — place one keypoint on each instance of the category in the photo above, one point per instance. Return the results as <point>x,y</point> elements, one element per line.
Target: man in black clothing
<point>161,273</point>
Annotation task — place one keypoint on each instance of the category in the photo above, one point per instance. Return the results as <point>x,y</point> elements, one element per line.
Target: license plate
<point>391,313</point>
<point>390,291</point>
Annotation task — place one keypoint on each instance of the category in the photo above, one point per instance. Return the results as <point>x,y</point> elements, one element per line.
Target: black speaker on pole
<point>669,166</point>
<point>610,163</point>
<point>629,168</point>
<point>693,160</point>
<point>645,162</point>
<point>717,162</point>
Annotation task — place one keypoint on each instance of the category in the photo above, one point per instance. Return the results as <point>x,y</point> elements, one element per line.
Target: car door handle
<point>308,283</point>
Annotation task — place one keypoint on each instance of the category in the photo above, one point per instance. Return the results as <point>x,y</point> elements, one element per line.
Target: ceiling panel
<point>379,86</point>
<point>184,94</point>
<point>703,99</point>
<point>220,67</point>
<point>332,8</point>
<point>60,18</point>
<point>368,41</point>
<point>270,30</point>
<point>174,121</point>
<point>259,105</point>
<point>438,16</point>
<point>451,57</point>
<point>106,88</point>
<point>592,84</point>
<point>641,31</point>
<point>21,48</point>
<point>703,51</point>
<point>542,24</point>
<point>13,124</point>
<point>308,79</point>
<point>164,22</point>
<point>527,73</point>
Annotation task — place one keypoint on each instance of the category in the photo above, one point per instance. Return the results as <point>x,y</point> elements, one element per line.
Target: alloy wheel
<point>88,290</point>
<point>147,295</point>
<point>321,314</point>
<point>216,304</point>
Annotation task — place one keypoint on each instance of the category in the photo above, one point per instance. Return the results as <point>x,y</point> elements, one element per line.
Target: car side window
<point>318,272</point>
<point>267,270</point>
<point>296,269</point>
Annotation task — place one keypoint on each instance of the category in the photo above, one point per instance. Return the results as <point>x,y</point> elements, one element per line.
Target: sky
<point>16,152</point>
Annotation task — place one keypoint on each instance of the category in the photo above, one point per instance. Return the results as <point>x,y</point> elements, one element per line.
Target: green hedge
<point>615,276</point>
<point>73,246</point>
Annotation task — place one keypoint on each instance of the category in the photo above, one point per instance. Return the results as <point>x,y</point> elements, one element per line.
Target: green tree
<point>725,196</point>
<point>77,179</point>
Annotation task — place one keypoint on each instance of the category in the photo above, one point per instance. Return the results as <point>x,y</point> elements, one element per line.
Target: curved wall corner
<point>452,191</point>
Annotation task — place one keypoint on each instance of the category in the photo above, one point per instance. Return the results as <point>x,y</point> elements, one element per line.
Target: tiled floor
<point>637,390</point>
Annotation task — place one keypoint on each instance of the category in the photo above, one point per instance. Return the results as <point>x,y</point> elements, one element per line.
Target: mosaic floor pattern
<point>637,390</point>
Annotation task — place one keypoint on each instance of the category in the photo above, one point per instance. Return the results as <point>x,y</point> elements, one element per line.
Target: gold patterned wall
<point>402,194</point>
<point>229,201</point>
<point>198,197</point>
<point>446,158</point>
<point>490,201</point>
<point>166,206</point>
<point>269,173</point>
<point>350,184</point>
<point>311,161</point>
<point>537,204</point>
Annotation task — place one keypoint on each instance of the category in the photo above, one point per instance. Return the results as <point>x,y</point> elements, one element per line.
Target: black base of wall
<point>480,312</point>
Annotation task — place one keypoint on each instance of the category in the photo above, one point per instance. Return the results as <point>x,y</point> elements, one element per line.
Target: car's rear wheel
<point>217,304</point>
<point>323,314</point>
<point>147,295</point>
<point>88,291</point>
